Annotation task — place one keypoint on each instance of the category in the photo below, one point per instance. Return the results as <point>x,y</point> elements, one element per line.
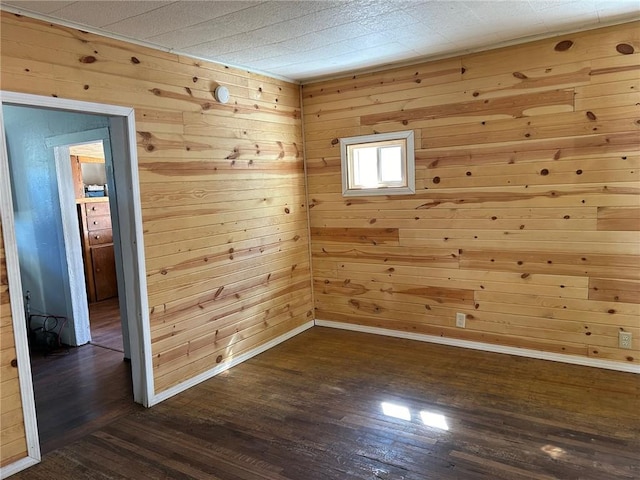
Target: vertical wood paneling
<point>222,187</point>
<point>13,444</point>
<point>526,211</point>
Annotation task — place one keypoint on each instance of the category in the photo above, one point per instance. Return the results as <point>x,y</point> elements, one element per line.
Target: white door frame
<point>130,223</point>
<point>72,246</point>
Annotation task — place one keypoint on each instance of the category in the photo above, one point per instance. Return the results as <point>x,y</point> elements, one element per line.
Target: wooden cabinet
<point>97,247</point>
<point>104,271</point>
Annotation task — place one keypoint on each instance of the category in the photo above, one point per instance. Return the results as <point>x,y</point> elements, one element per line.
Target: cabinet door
<point>104,271</point>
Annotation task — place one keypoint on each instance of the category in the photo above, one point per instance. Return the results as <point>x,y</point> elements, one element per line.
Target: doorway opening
<point>61,293</point>
<point>90,386</point>
<point>91,189</point>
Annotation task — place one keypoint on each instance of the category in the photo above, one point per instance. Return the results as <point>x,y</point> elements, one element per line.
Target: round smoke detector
<point>221,94</point>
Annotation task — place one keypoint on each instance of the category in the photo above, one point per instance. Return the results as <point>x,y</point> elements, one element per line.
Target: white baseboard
<point>486,347</point>
<point>227,365</point>
<point>17,466</point>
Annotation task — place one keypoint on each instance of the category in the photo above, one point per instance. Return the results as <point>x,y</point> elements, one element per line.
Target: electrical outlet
<point>624,339</point>
<point>461,319</point>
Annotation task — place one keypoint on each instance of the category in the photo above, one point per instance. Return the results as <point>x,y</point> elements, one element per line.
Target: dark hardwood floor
<point>78,390</point>
<point>106,330</point>
<point>331,404</point>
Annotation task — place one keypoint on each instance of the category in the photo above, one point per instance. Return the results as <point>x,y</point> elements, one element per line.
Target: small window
<point>379,164</point>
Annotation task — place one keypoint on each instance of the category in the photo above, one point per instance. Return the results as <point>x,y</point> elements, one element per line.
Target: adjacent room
<point>298,240</point>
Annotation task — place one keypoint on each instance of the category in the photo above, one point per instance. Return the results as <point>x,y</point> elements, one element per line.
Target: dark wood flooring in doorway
<point>106,329</point>
<point>331,404</point>
<point>84,388</point>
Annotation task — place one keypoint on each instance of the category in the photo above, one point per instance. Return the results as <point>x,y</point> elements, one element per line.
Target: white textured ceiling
<point>303,40</point>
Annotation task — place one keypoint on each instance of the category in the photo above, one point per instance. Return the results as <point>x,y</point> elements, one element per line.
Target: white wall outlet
<point>461,320</point>
<point>624,339</point>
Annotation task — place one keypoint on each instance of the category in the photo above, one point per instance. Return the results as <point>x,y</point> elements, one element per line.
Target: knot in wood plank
<point>563,46</point>
<point>625,48</point>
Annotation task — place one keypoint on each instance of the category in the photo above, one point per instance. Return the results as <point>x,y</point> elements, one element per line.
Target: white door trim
<point>72,247</point>
<point>17,311</point>
<point>135,277</point>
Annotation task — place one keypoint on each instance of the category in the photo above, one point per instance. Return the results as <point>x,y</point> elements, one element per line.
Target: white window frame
<point>404,139</point>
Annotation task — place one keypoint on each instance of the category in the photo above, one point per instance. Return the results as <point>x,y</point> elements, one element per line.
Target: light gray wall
<point>43,266</point>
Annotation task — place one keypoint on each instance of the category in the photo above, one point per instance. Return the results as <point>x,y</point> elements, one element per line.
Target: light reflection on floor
<point>396,411</point>
<point>430,419</point>
<point>553,451</point>
<point>435,420</point>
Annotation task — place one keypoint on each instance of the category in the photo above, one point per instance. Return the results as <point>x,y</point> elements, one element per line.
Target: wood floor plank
<point>312,409</point>
<point>106,330</point>
<point>80,389</point>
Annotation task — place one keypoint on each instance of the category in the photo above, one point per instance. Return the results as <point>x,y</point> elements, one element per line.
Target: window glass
<point>365,167</point>
<point>391,164</point>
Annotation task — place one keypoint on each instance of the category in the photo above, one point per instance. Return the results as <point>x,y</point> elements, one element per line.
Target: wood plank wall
<point>222,186</point>
<point>13,443</point>
<point>527,213</point>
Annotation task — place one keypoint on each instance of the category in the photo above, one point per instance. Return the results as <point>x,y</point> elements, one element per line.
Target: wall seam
<point>306,191</point>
